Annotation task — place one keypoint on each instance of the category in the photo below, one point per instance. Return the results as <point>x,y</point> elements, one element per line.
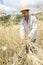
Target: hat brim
<point>25,10</point>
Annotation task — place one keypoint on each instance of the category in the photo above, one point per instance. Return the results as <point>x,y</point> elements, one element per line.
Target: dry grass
<point>9,37</point>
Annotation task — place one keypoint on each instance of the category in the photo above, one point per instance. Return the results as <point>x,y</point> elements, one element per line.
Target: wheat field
<point>12,53</point>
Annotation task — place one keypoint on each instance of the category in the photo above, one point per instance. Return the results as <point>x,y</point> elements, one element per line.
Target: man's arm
<point>34,28</point>
<point>23,35</point>
<point>22,32</point>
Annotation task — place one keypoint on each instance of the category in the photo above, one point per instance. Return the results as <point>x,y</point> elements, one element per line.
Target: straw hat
<point>25,8</point>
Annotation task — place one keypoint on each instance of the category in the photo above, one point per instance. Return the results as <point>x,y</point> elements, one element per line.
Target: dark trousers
<point>34,40</point>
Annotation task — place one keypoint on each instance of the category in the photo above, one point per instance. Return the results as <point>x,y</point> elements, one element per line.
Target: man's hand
<point>24,40</point>
<point>27,37</point>
<point>21,42</point>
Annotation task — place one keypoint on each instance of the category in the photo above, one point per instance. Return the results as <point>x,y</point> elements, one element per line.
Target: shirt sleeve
<point>34,28</point>
<point>22,31</point>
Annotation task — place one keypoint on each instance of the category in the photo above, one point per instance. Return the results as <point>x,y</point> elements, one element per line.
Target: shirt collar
<point>28,19</point>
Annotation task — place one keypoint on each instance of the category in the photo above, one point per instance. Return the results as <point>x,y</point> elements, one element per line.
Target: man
<point>28,26</point>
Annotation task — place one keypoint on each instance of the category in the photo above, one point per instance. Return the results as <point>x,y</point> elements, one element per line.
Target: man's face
<point>25,13</point>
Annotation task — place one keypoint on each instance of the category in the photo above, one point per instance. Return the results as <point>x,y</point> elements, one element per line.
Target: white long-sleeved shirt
<point>29,28</point>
